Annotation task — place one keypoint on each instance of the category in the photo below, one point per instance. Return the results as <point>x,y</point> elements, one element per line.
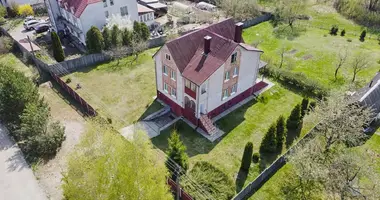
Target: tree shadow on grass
<point>287,32</point>
<point>240,180</point>
<point>292,135</point>
<point>266,159</point>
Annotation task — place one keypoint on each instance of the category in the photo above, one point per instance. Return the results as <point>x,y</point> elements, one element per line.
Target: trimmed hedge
<point>297,80</point>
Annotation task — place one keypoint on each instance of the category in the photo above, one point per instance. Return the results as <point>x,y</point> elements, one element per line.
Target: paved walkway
<point>17,181</point>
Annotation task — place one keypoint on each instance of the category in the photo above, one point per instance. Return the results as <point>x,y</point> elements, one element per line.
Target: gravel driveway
<point>17,181</point>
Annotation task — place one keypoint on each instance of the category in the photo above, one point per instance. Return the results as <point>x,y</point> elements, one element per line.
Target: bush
<point>256,157</point>
<point>115,36</point>
<point>177,150</point>
<point>263,99</point>
<point>68,80</point>
<point>297,80</point>
<point>343,33</point>
<point>12,10</point>
<point>58,53</point>
<point>269,142</point>
<point>3,11</point>
<point>280,131</point>
<point>247,155</point>
<point>295,118</point>
<point>305,106</point>
<point>126,37</point>
<point>94,40</point>
<point>25,10</point>
<point>349,40</point>
<point>107,38</point>
<point>334,30</point>
<point>6,44</point>
<point>362,35</point>
<point>212,179</point>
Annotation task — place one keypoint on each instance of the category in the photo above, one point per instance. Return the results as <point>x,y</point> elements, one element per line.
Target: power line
<point>174,167</point>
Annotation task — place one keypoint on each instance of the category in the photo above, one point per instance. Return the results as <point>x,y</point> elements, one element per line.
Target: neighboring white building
<point>77,16</point>
<point>205,72</point>
<point>146,14</point>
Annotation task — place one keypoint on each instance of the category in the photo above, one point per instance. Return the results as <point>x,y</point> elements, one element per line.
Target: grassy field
<point>272,189</point>
<point>124,92</point>
<point>248,123</point>
<point>311,50</point>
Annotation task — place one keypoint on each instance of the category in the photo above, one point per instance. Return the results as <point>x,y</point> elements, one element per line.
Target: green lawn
<point>123,92</point>
<point>272,188</point>
<point>11,59</point>
<point>248,123</point>
<point>314,52</point>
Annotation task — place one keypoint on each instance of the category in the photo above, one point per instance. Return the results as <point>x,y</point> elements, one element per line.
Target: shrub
<point>68,80</point>
<point>126,37</point>
<point>212,179</point>
<point>362,35</point>
<point>94,40</point>
<point>294,119</point>
<point>263,99</point>
<point>269,142</point>
<point>177,150</point>
<point>280,131</point>
<point>107,38</point>
<point>297,80</point>
<point>140,31</point>
<point>334,30</point>
<point>6,44</point>
<point>343,33</point>
<point>3,11</point>
<point>115,36</point>
<point>58,53</point>
<point>247,156</point>
<point>349,40</point>
<point>256,157</point>
<point>25,10</point>
<point>12,9</point>
<point>305,106</point>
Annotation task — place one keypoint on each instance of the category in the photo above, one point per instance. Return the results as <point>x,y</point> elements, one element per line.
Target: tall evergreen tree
<point>144,32</point>
<point>115,36</point>
<point>269,142</point>
<point>107,38</point>
<point>94,40</point>
<point>137,31</point>
<point>58,53</point>
<point>280,131</point>
<point>247,157</point>
<point>294,119</point>
<point>177,150</point>
<point>126,37</point>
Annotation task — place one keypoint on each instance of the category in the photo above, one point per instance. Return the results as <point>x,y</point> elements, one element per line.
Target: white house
<point>205,72</point>
<point>77,16</point>
<point>146,14</point>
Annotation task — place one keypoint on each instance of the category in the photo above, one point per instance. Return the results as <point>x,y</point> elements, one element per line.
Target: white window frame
<point>165,70</point>
<point>166,87</point>
<point>236,72</point>
<point>234,89</point>
<point>193,87</point>
<point>173,75</point>
<point>225,94</point>
<point>226,76</point>
<point>173,92</point>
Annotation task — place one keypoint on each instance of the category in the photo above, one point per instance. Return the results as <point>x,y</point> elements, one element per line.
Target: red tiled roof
<point>78,5</point>
<point>187,50</point>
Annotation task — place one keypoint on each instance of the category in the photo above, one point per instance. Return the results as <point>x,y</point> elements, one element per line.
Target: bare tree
<point>118,53</point>
<point>289,11</point>
<point>137,47</point>
<point>342,58</point>
<point>359,63</point>
<point>239,10</point>
<point>281,52</point>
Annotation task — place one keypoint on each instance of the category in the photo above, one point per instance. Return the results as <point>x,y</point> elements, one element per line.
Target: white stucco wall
<point>215,86</point>
<point>93,15</point>
<point>115,9</point>
<point>249,66</point>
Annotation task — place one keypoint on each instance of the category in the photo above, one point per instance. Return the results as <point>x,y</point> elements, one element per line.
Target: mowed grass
<point>315,52</point>
<point>272,188</point>
<point>249,123</point>
<point>10,59</point>
<point>121,90</point>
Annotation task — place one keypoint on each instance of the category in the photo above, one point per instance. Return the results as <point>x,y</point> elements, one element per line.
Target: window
<point>106,13</point>
<point>234,89</point>
<point>174,92</point>
<point>105,3</point>
<point>227,76</point>
<point>173,75</point>
<point>233,57</point>
<point>167,56</point>
<point>165,70</point>
<point>193,87</point>
<point>124,10</point>
<point>166,87</point>
<point>111,2</point>
<point>203,89</point>
<point>190,85</point>
<point>225,94</point>
<point>187,83</point>
<point>236,71</point>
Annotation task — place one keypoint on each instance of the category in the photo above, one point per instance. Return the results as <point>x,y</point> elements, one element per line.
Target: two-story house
<point>205,72</point>
<point>77,16</point>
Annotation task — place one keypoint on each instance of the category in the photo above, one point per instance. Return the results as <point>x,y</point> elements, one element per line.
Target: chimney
<point>207,40</point>
<point>238,32</point>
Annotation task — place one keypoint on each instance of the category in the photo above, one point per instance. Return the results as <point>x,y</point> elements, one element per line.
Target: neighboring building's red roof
<point>78,5</point>
<point>187,50</point>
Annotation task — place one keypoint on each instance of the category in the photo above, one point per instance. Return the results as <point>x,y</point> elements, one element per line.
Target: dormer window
<point>234,57</point>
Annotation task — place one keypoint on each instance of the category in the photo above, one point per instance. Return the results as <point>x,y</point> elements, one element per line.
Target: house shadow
<point>240,180</point>
<point>292,135</point>
<point>150,109</point>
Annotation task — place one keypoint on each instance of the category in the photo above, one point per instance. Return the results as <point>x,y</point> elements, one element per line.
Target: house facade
<point>205,72</point>
<point>77,16</point>
<point>146,14</point>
